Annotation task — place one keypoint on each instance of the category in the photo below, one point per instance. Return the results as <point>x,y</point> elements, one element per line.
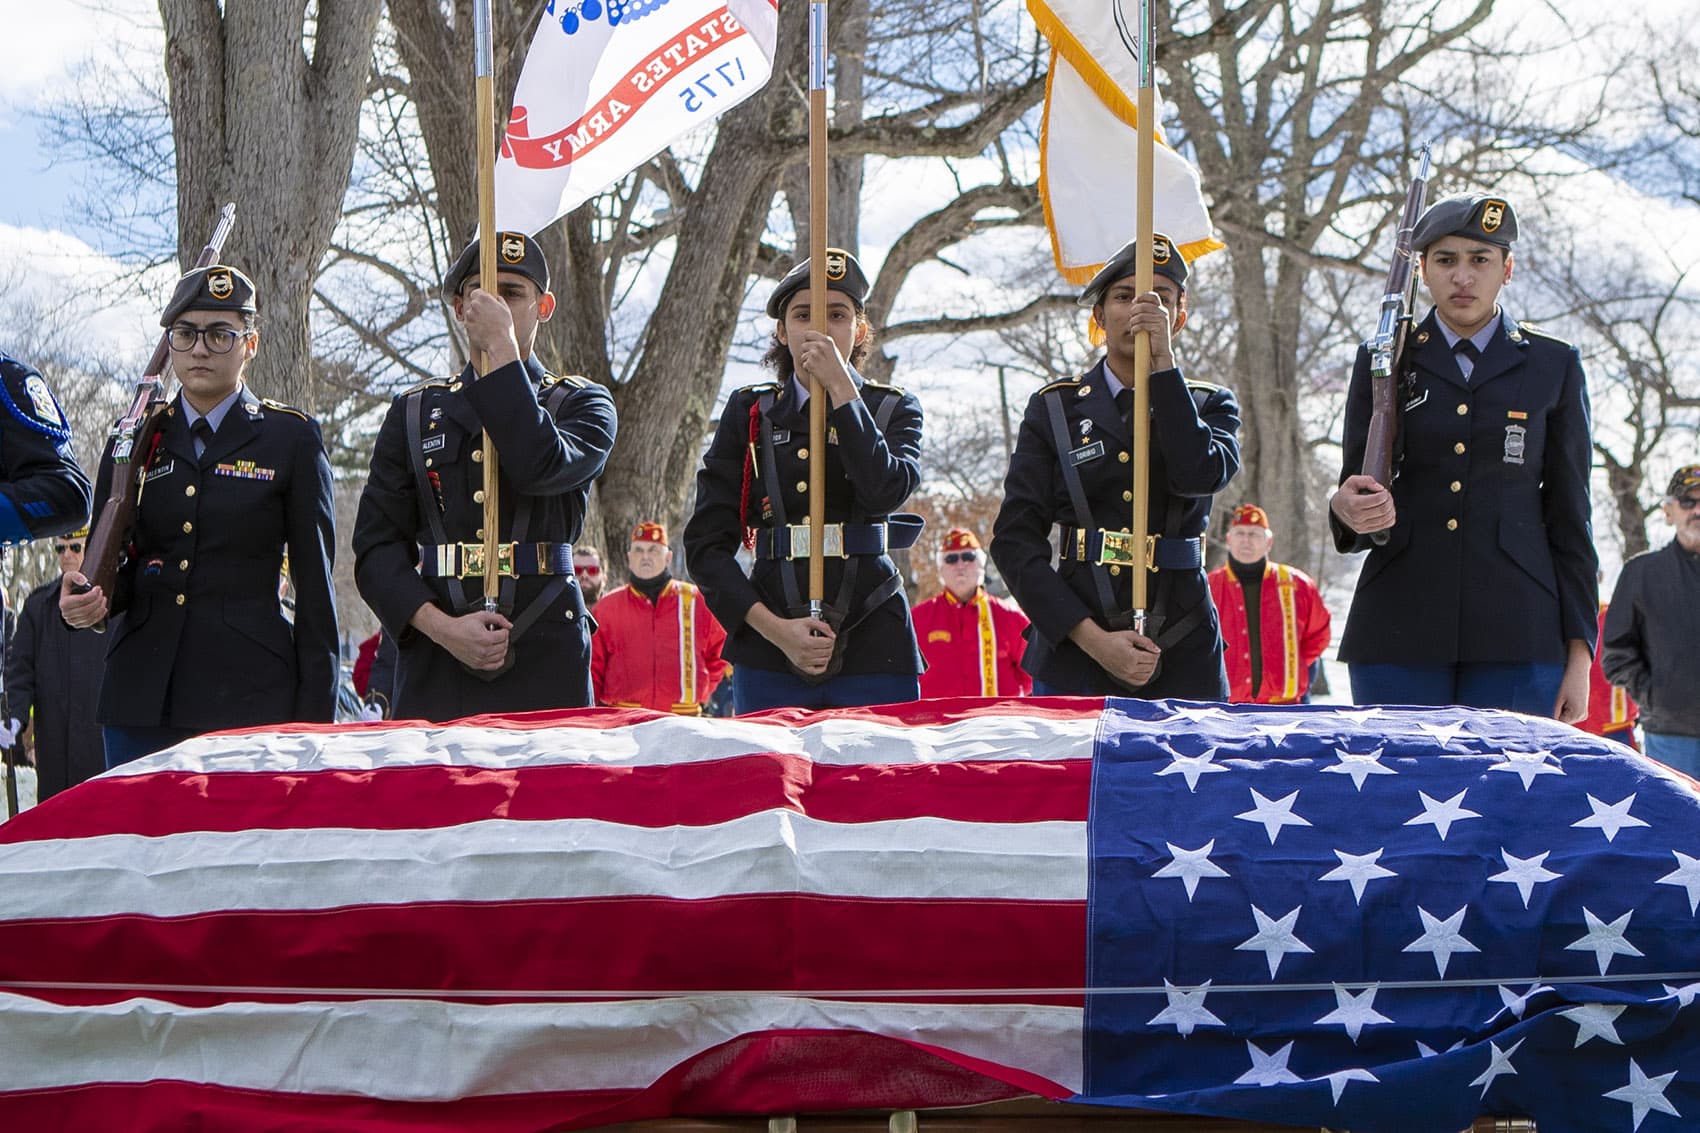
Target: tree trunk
<point>265,113</point>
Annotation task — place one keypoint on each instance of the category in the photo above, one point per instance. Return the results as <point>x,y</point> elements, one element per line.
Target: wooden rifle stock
<point>1387,361</point>
<point>132,442</point>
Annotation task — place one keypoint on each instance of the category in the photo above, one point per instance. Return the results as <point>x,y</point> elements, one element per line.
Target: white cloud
<point>57,273</point>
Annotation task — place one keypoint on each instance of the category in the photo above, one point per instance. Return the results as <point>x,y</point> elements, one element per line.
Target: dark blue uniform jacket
<point>866,469</point>
<point>1492,559</point>
<point>1194,453</point>
<point>203,643</point>
<point>547,464</point>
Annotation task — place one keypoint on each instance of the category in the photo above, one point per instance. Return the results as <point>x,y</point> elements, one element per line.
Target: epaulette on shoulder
<point>282,408</point>
<point>577,381</point>
<point>884,387</point>
<point>1062,384</point>
<point>1204,387</point>
<point>1535,330</point>
<point>428,383</point>
<point>760,388</point>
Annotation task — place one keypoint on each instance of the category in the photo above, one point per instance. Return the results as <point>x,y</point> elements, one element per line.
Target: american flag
<point>1383,919</point>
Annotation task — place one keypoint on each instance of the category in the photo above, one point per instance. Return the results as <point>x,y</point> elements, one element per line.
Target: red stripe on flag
<point>775,1072</point>
<point>683,794</point>
<point>757,942</point>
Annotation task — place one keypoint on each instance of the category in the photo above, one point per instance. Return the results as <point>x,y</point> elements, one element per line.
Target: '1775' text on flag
<point>607,86</point>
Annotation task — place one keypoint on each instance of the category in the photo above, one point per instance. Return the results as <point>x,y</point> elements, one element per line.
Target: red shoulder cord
<point>749,472</point>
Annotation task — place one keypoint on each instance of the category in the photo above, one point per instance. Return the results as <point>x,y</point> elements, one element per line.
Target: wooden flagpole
<point>1147,151</point>
<point>818,184</point>
<point>485,90</point>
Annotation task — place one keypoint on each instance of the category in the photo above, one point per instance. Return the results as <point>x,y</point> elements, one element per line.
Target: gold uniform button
<point>479,535</point>
<point>477,456</point>
<point>1115,570</point>
<point>1463,409</point>
<point>1083,391</point>
<point>187,527</point>
<point>802,485</point>
<point>1127,497</point>
<point>184,565</point>
<point>181,599</point>
<point>478,496</point>
<point>1123,457</point>
<point>802,454</point>
<point>1452,525</point>
<point>189,491</point>
<point>1458,448</point>
<point>454,388</point>
<point>1457,487</point>
<point>429,462</point>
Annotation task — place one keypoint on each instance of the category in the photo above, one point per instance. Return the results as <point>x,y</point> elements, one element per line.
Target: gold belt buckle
<point>1118,549</point>
<point>471,560</point>
<point>505,559</point>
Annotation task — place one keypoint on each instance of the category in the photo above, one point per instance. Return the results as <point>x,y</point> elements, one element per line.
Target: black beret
<point>1165,260</point>
<point>1479,217</point>
<point>215,288</point>
<point>843,274</point>
<point>515,252</point>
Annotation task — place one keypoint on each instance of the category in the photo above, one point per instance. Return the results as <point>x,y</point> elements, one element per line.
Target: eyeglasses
<point>591,570</point>
<point>951,558</point>
<point>220,339</point>
<point>61,548</point>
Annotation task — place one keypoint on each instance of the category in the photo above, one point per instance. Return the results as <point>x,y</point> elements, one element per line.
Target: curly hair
<point>778,356</point>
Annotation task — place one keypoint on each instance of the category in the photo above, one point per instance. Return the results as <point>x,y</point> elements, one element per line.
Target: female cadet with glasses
<point>232,482</point>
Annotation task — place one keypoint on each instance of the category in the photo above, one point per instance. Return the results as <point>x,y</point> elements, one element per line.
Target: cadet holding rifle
<point>1481,584</point>
<point>227,485</point>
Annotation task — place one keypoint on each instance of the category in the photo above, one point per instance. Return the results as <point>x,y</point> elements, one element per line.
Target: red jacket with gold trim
<point>637,652</point>
<point>972,648</point>
<point>1295,629</point>
<point>1611,711</point>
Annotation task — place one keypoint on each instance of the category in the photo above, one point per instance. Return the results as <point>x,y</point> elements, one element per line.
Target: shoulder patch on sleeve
<point>24,395</point>
<point>269,403</point>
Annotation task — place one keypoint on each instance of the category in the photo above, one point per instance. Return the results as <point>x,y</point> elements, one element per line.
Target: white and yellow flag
<point>1089,154</point>
<point>608,84</point>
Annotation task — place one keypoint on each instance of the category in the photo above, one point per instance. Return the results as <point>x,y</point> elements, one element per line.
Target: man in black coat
<point>1072,468</point>
<point>232,483</point>
<point>1486,590</point>
<point>755,479</point>
<point>419,532</point>
<point>55,672</point>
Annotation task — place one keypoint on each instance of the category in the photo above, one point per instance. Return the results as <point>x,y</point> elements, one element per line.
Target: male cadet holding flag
<point>1071,468</point>
<point>1486,590</point>
<point>418,535</point>
<point>232,484</point>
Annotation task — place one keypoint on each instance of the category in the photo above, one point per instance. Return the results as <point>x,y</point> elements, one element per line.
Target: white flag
<point>608,84</point>
<point>1089,150</point>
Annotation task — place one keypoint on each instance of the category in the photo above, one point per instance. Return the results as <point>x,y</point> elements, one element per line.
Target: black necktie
<point>1124,406</point>
<point>1467,355</point>
<point>202,432</point>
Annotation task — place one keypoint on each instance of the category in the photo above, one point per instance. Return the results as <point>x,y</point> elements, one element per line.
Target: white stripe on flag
<point>424,1050</point>
<point>665,740</point>
<point>771,852</point>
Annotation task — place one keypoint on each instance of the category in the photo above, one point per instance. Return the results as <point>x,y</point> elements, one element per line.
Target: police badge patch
<point>1514,435</point>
